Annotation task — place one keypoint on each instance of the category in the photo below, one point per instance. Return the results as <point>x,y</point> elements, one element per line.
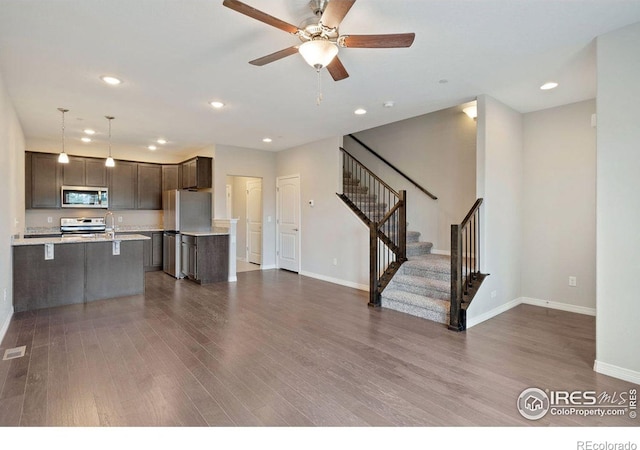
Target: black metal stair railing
<point>384,211</point>
<point>466,277</point>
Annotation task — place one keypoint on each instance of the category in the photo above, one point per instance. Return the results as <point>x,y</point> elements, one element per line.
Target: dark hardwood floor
<point>278,349</point>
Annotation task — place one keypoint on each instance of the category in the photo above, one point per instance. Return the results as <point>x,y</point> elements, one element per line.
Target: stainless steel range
<point>82,225</point>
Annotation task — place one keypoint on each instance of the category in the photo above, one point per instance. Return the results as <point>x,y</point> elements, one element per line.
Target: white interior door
<point>254,221</point>
<point>288,223</point>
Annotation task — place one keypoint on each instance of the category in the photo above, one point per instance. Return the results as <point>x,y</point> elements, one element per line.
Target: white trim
<point>560,306</point>
<point>621,373</point>
<point>441,252</point>
<point>267,267</point>
<point>351,284</point>
<point>492,313</point>
<point>5,325</point>
<point>530,301</point>
<point>232,279</point>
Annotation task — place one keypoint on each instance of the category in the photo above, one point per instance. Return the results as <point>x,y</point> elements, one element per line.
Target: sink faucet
<point>110,231</point>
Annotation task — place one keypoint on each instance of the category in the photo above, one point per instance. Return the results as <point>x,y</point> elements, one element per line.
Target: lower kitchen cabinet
<point>205,258</point>
<point>152,251</point>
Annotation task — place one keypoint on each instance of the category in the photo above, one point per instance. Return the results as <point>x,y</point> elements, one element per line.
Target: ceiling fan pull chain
<point>319,97</point>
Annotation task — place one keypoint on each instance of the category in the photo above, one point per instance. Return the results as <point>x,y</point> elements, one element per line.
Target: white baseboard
<point>5,325</point>
<point>492,313</point>
<point>558,305</point>
<point>232,279</point>
<point>350,284</point>
<point>530,301</point>
<point>621,373</point>
<point>441,252</point>
<point>270,266</point>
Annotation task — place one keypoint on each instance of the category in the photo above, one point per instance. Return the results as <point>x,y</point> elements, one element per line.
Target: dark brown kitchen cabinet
<point>152,251</point>
<point>205,259</point>
<point>84,172</point>
<point>197,173</point>
<point>122,185</point>
<point>149,186</point>
<point>170,177</point>
<point>45,181</point>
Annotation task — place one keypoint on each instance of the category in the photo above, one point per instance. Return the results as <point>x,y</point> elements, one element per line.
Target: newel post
<point>456,279</point>
<point>374,295</point>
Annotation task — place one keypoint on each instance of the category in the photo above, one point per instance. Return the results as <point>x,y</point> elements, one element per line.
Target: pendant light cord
<point>319,95</point>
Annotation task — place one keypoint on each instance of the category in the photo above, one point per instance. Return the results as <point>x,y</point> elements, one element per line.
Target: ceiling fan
<point>321,38</point>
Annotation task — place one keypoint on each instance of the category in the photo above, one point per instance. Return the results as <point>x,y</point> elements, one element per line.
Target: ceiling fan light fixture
<point>318,53</point>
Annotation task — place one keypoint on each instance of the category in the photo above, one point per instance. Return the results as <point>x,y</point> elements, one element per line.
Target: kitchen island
<point>55,271</point>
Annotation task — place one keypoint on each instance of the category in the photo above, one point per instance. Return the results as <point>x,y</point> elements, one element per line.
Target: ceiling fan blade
<point>250,11</point>
<point>337,70</point>
<point>335,11</point>
<point>377,40</point>
<point>274,56</point>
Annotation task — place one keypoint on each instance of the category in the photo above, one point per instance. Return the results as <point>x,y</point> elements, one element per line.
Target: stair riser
<point>435,316</point>
<point>419,272</point>
<point>421,290</point>
<point>418,250</point>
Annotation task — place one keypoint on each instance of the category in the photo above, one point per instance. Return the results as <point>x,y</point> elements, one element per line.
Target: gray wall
<point>250,163</point>
<point>329,230</point>
<point>618,199</point>
<point>499,182</point>
<point>559,205</point>
<point>438,151</point>
<point>11,199</point>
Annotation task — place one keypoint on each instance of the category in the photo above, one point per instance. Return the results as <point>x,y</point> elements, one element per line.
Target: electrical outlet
<point>572,281</point>
<point>49,219</point>
<point>120,219</point>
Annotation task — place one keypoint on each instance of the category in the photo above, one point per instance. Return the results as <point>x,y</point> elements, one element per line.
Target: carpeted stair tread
<point>417,305</point>
<point>418,248</point>
<point>428,287</point>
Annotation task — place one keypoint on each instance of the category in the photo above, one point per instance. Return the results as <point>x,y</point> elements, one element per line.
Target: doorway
<point>244,202</point>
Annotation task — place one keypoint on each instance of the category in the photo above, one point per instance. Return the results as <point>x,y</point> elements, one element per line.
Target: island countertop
<point>75,239</point>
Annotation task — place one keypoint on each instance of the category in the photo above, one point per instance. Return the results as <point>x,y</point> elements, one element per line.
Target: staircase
<point>404,275</point>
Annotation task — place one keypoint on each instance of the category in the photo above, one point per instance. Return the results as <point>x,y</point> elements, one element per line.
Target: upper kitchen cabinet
<point>170,177</point>
<point>122,185</point>
<point>149,186</point>
<point>44,177</point>
<point>84,172</point>
<point>197,173</point>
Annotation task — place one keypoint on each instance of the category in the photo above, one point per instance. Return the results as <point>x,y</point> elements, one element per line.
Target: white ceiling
<point>176,55</point>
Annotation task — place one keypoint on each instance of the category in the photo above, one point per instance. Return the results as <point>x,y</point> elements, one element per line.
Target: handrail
<point>371,174</point>
<point>472,211</point>
<point>392,166</point>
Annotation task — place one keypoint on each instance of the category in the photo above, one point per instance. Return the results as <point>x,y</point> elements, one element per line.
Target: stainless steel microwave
<point>84,197</point>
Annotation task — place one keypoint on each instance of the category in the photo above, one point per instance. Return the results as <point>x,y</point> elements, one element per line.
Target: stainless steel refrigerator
<point>183,211</point>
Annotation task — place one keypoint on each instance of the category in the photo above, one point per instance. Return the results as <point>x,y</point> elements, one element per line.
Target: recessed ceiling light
<point>85,139</point>
<point>152,147</point>
<point>267,140</point>
<point>388,104</point>
<point>111,80</point>
<point>360,111</point>
<point>217,105</point>
<point>161,141</point>
<point>89,131</point>
<point>549,85</point>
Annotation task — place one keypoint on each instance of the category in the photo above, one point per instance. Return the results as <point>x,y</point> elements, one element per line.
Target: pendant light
<point>110,162</point>
<point>63,157</point>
